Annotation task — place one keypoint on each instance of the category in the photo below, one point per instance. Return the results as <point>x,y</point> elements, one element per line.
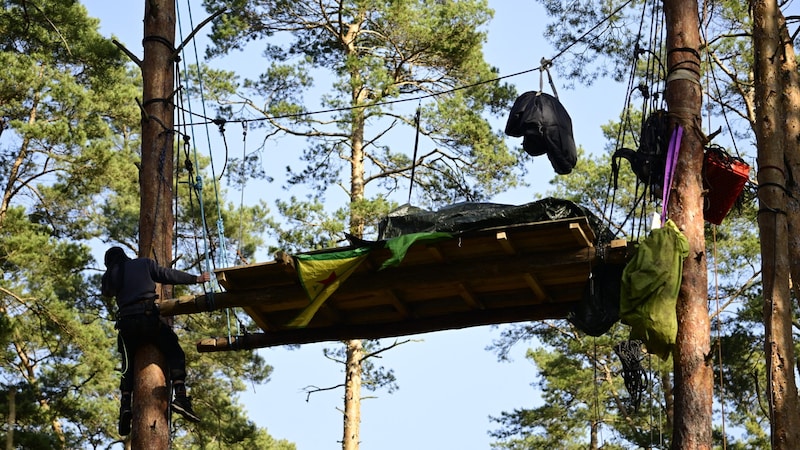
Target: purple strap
<point>672,160</point>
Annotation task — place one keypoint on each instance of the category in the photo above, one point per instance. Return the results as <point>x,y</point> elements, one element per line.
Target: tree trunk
<point>790,102</point>
<point>150,428</point>
<point>352,396</point>
<point>772,220</point>
<point>693,373</point>
<point>355,350</point>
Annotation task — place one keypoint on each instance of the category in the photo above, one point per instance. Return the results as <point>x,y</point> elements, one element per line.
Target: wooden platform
<point>523,272</point>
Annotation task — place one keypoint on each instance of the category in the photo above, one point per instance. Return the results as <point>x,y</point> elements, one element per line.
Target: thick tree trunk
<point>693,374</point>
<point>771,129</point>
<point>150,428</point>
<point>355,350</point>
<point>790,102</point>
<point>352,396</point>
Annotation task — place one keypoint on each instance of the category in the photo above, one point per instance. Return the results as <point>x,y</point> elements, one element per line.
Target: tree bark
<point>772,127</point>
<point>693,373</point>
<point>150,428</point>
<point>352,396</point>
<point>355,350</point>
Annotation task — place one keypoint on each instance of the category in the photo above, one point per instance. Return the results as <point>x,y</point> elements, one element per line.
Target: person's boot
<point>182,404</point>
<point>125,415</point>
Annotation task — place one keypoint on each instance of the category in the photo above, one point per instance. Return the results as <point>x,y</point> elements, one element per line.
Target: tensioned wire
<point>220,227</point>
<point>223,256</point>
<point>545,62</point>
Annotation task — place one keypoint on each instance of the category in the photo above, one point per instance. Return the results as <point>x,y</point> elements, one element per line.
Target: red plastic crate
<point>724,178</point>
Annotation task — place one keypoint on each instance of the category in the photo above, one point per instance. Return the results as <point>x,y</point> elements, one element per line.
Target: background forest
<point>70,145</point>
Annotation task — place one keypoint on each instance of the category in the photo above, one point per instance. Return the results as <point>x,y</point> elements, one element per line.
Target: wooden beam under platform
<point>342,333</point>
<point>508,274</point>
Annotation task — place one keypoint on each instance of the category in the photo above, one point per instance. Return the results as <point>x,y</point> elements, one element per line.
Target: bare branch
<point>196,29</point>
<point>127,52</point>
<point>314,389</point>
<point>395,344</point>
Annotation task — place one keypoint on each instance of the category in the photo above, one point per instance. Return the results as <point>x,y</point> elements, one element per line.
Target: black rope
<point>777,185</point>
<point>685,49</point>
<point>578,40</point>
<point>650,98</point>
<point>414,159</point>
<point>160,40</point>
<point>151,101</point>
<point>630,355</point>
<point>219,122</point>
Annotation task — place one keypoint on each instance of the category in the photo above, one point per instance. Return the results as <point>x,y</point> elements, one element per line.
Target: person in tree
<point>133,283</point>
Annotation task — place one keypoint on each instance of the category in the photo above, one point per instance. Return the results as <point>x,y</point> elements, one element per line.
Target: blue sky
<point>449,384</point>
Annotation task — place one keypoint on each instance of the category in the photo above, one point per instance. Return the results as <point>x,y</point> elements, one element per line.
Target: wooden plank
<point>536,287</point>
<point>552,268</point>
<point>397,303</point>
<point>580,235</point>
<point>260,319</point>
<point>502,239</point>
<point>469,297</point>
<point>435,253</point>
<point>383,330</point>
<point>497,275</point>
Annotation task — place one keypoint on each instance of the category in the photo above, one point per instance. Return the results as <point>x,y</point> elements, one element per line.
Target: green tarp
<point>649,291</point>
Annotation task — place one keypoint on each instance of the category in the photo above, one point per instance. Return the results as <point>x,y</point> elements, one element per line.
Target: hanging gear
<point>649,160</point>
<point>545,127</point>
<point>649,291</point>
<point>630,355</point>
<point>598,309</point>
<point>724,178</point>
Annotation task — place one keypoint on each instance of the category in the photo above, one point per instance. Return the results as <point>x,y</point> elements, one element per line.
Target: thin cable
<point>414,158</point>
<point>723,105</point>
<point>222,254</point>
<point>719,339</point>
<point>196,182</point>
<point>239,255</point>
<point>597,419</point>
<point>208,120</point>
<point>704,30</point>
<point>622,132</point>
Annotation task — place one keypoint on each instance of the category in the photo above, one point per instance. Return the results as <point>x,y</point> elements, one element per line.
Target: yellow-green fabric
<point>650,285</point>
<point>399,245</point>
<point>321,274</point>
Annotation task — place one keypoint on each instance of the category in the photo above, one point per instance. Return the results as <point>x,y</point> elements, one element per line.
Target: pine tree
<point>68,154</point>
<point>375,53</point>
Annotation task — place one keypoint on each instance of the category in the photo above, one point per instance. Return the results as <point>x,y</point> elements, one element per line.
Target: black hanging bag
<point>545,127</point>
<point>648,162</point>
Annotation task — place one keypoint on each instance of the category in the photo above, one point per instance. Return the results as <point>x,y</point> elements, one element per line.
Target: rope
<point>195,182</point>
<point>222,254</point>
<point>719,339</point>
<point>579,39</point>
<point>241,193</point>
<point>630,355</point>
<point>414,159</point>
<point>650,99</point>
<point>596,410</point>
<point>198,185</point>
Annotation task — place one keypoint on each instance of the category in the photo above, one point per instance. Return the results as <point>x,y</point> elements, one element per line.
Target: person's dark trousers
<point>137,330</point>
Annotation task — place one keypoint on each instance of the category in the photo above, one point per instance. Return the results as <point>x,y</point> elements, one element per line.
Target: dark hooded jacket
<point>131,280</point>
